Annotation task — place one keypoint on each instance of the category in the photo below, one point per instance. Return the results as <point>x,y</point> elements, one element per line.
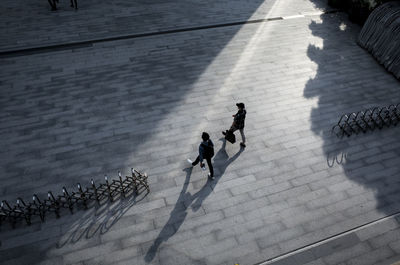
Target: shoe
<point>209,175</point>
<point>190,161</point>
<point>242,145</point>
<point>224,133</point>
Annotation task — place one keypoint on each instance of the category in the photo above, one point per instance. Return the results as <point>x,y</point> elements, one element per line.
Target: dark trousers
<point>74,3</point>
<point>233,129</point>
<point>52,4</point>
<point>210,166</point>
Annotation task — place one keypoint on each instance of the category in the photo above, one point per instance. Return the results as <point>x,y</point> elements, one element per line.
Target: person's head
<point>240,105</point>
<point>205,136</point>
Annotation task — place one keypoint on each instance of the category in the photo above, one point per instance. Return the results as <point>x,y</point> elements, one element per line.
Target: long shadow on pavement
<point>72,115</point>
<point>221,163</point>
<point>185,199</point>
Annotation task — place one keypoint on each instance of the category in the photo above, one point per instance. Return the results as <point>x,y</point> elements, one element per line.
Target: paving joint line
<point>89,43</point>
<point>328,239</point>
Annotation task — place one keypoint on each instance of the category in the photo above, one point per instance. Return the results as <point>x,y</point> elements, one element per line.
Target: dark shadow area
<point>185,199</point>
<point>87,115</point>
<point>72,115</point>
<point>97,20</point>
<point>349,80</point>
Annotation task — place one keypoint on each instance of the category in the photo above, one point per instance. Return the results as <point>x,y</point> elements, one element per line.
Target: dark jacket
<point>238,120</point>
<point>202,151</point>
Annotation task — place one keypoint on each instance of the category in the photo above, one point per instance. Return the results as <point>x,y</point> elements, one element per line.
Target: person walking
<point>238,123</point>
<point>206,151</point>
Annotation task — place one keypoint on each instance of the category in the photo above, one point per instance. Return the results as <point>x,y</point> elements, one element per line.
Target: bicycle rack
<point>367,120</point>
<point>83,196</point>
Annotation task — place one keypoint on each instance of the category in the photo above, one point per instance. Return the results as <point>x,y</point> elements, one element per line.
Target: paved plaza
<point>123,84</point>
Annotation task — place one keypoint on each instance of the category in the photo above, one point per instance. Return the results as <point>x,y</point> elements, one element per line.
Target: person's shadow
<point>175,220</point>
<point>185,199</point>
<point>221,163</point>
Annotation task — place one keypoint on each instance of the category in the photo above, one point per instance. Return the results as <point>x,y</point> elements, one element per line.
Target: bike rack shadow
<point>100,219</point>
<point>334,157</point>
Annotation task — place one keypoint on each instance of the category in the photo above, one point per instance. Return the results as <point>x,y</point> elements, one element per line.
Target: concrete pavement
<point>73,114</point>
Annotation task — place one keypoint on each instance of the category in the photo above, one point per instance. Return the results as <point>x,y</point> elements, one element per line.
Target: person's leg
<point>210,166</point>
<point>196,161</point>
<point>243,136</point>
<point>243,143</point>
<point>52,4</point>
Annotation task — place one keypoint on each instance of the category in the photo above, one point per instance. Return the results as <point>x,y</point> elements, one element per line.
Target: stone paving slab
<point>375,243</point>
<point>33,25</point>
<point>71,115</point>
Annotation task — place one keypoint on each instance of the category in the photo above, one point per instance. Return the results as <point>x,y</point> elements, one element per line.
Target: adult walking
<point>238,123</point>
<point>206,151</point>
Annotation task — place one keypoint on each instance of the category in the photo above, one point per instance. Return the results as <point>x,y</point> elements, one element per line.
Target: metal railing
<point>367,120</point>
<point>380,35</point>
<point>82,196</point>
